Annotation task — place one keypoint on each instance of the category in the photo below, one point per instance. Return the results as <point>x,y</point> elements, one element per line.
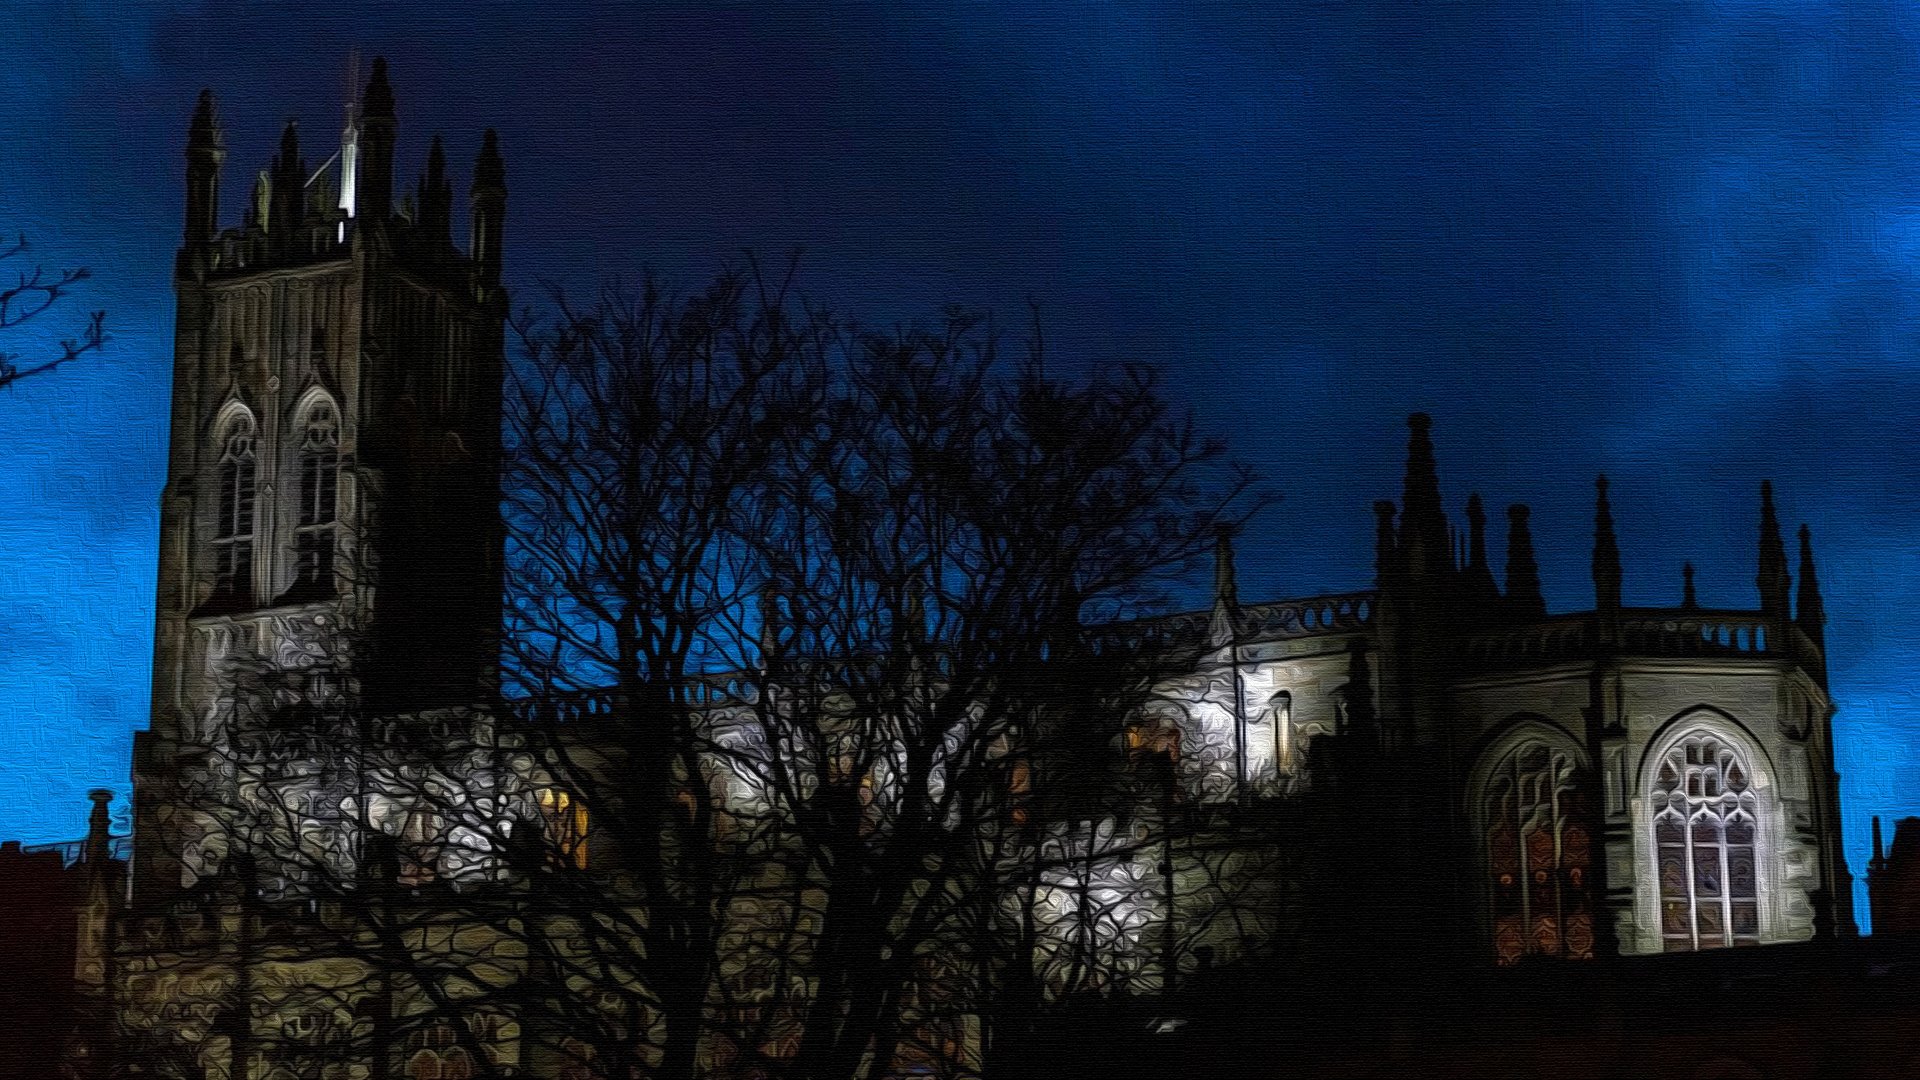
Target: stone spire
<point>1423,523</point>
<point>205,155</point>
<point>1480,583</point>
<point>489,209</point>
<point>1775,584</point>
<point>1523,574</point>
<point>1811,613</point>
<point>287,185</point>
<point>1606,551</point>
<point>374,199</point>
<point>1226,592</point>
<point>1384,549</point>
<point>435,198</point>
<point>1687,597</point>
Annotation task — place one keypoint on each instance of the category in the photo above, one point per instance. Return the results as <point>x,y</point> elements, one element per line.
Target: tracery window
<point>313,535</point>
<point>1705,824</point>
<point>1539,856</point>
<point>233,529</point>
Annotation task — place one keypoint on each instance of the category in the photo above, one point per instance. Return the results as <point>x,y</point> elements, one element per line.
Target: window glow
<point>1705,827</point>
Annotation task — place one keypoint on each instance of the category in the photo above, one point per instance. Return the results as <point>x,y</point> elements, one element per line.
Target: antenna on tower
<point>350,134</point>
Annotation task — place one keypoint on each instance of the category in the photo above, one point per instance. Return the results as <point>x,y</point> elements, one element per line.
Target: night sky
<point>1677,243</point>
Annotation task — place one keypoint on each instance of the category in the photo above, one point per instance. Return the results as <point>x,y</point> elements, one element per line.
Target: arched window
<point>233,530</point>
<point>1705,823</point>
<point>435,1054</point>
<point>1539,855</point>
<point>313,535</point>
<point>1284,750</point>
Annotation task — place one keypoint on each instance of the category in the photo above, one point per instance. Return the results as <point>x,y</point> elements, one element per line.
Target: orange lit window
<point>1020,791</point>
<point>565,821</point>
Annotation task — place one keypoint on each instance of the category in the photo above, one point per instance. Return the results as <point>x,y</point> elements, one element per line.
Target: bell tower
<point>331,511</point>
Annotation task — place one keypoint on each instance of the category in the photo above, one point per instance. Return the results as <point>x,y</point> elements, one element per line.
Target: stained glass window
<point>1705,822</point>
<point>1539,856</point>
<point>233,530</point>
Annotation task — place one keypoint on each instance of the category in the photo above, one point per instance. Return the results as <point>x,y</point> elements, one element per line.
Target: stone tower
<point>331,507</point>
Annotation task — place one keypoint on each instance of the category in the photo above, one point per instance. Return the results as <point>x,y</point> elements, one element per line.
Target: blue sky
<point>1675,242</point>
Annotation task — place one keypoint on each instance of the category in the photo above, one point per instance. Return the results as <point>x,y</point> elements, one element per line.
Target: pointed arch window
<point>233,529</point>
<point>1705,827</point>
<point>1539,855</point>
<point>313,534</point>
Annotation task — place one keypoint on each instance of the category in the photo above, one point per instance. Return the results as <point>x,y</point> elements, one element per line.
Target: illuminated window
<point>1705,823</point>
<point>233,528</point>
<point>1284,750</point>
<point>1539,856</point>
<point>564,820</point>
<point>1019,792</point>
<point>313,535</point>
<point>1147,742</point>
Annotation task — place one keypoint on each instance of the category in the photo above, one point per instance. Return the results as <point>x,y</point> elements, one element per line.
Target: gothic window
<point>233,528</point>
<point>313,534</point>
<point>1705,824</point>
<point>1284,750</point>
<point>1539,856</point>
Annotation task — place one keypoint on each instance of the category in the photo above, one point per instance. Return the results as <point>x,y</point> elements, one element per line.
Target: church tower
<point>331,511</point>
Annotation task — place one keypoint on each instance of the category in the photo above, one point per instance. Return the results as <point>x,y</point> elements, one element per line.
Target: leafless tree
<point>32,294</point>
<point>811,718</point>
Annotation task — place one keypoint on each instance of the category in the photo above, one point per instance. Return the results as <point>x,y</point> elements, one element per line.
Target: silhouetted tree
<point>30,295</point>
<point>809,707</point>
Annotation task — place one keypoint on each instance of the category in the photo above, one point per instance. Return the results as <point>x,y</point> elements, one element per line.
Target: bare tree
<point>640,433</point>
<point>30,295</point>
<point>940,552</point>
<point>809,761</point>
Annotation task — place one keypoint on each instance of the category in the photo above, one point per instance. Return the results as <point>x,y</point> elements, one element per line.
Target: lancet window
<point>313,534</point>
<point>1285,752</point>
<point>1539,855</point>
<point>233,529</point>
<point>1706,820</point>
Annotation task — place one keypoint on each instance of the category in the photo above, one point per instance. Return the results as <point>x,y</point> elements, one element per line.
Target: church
<point>1547,790</point>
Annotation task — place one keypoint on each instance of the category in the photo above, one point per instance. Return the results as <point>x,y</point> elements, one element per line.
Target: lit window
<point>1284,750</point>
<point>1539,856</point>
<point>233,529</point>
<point>1705,824</point>
<point>564,820</point>
<point>313,535</point>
